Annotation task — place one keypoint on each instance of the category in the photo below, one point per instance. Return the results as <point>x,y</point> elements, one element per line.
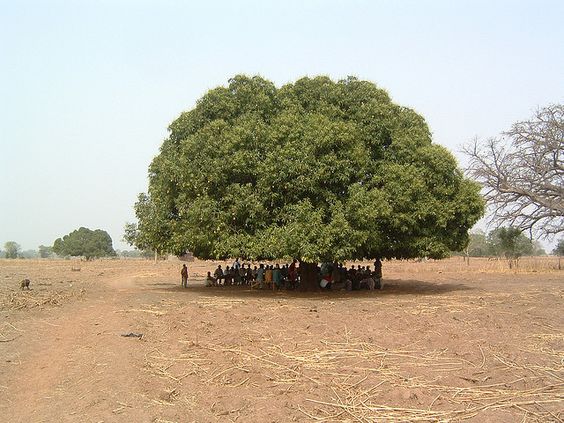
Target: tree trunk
<point>308,277</point>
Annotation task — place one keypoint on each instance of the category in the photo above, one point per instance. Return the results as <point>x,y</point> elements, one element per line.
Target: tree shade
<point>316,170</point>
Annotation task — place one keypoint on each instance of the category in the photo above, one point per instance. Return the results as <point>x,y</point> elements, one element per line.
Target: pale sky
<point>88,88</point>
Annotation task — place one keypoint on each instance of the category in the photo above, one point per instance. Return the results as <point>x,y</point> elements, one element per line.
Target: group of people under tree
<point>287,276</point>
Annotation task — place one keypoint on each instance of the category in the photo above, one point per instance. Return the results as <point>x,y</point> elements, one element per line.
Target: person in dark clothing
<point>184,274</point>
<point>377,275</point>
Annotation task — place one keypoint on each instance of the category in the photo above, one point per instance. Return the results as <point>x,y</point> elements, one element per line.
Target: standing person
<point>243,273</point>
<point>284,275</point>
<point>292,274</point>
<point>236,264</point>
<point>268,276</point>
<point>378,274</point>
<point>352,273</point>
<point>184,274</point>
<point>260,275</point>
<point>276,277</point>
<point>236,275</point>
<point>336,274</point>
<point>343,271</point>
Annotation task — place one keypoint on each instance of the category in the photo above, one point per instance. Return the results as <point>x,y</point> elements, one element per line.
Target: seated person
<point>325,282</point>
<point>355,277</point>
<point>367,283</point>
<point>227,276</point>
<point>218,274</point>
<point>210,280</point>
<point>250,277</point>
<point>337,280</point>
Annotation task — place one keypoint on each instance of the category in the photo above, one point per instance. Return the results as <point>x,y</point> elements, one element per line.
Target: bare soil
<point>442,341</point>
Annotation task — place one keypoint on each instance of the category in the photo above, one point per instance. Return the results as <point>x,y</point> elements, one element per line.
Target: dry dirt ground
<point>442,341</point>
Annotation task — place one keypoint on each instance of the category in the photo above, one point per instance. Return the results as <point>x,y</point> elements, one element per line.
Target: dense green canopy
<point>85,242</point>
<point>315,170</point>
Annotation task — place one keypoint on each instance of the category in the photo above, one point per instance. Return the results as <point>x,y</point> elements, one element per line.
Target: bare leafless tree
<point>522,173</point>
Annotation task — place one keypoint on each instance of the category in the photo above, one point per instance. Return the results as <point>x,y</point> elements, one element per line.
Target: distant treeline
<point>48,253</point>
<point>82,242</point>
<point>502,242</point>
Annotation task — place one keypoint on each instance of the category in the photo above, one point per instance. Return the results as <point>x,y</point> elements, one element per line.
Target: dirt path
<point>73,363</point>
<point>434,345</point>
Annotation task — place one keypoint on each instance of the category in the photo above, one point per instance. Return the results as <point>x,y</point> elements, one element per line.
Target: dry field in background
<point>444,341</point>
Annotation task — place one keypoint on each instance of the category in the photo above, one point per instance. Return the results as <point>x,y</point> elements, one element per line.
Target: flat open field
<point>442,341</point>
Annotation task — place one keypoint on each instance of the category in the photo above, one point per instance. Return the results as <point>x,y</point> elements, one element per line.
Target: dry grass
<point>443,342</point>
<point>34,299</point>
<point>355,374</point>
<point>485,265</point>
<point>350,379</point>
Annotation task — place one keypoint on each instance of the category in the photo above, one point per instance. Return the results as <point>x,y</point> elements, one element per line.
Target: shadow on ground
<point>395,287</point>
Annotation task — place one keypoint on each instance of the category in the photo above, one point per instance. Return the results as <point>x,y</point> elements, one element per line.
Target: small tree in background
<point>28,254</point>
<point>45,251</point>
<point>85,242</point>
<point>538,249</point>
<point>477,246</point>
<point>559,251</point>
<point>510,243</point>
<point>136,253</point>
<point>146,236</point>
<point>11,249</point>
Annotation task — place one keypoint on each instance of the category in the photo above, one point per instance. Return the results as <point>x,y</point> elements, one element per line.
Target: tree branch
<point>522,173</point>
